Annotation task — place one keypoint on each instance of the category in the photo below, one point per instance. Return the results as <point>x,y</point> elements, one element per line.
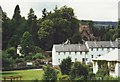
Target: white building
<point>77,52</point>
<point>99,48</point>
<point>81,52</point>
<point>18,50</point>
<point>113,61</point>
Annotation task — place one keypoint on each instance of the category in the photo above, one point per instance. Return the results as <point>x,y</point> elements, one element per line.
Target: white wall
<point>97,53</point>
<point>18,51</point>
<point>119,69</point>
<point>95,67</point>
<point>54,57</point>
<point>57,57</point>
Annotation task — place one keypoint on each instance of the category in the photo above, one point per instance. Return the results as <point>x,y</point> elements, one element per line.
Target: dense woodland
<point>37,34</point>
<point>54,27</point>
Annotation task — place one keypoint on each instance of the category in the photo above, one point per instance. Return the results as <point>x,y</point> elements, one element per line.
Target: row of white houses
<point>81,52</point>
<point>86,53</point>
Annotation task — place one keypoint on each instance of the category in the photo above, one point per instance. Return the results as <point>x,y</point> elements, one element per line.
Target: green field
<point>26,74</point>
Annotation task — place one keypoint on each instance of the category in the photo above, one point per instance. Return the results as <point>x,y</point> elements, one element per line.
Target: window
<point>99,55</point>
<point>58,53</point>
<point>75,53</point>
<point>112,66</point>
<point>69,53</point>
<point>80,52</point>
<point>59,60</point>
<point>97,49</point>
<point>102,48</point>
<point>75,59</point>
<point>108,49</point>
<point>91,56</point>
<point>91,49</point>
<point>84,60</point>
<point>113,48</point>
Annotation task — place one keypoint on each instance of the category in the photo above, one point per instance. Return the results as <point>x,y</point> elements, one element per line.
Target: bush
<point>107,77</point>
<point>102,72</point>
<point>49,73</point>
<point>28,58</point>
<point>12,52</point>
<point>7,61</point>
<point>19,60</point>
<point>64,77</point>
<point>65,66</point>
<point>78,70</point>
<point>38,56</point>
<point>79,78</point>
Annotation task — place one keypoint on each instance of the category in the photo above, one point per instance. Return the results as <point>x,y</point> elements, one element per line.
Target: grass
<point>26,74</point>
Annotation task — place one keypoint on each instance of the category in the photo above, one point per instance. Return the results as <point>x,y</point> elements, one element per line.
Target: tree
<point>16,15</point>
<point>12,52</point>
<point>76,38</point>
<point>33,26</point>
<point>78,71</point>
<point>18,25</point>
<point>38,56</point>
<point>65,66</point>
<point>27,43</point>
<point>7,61</point>
<point>6,30</point>
<point>44,12</point>
<point>46,34</point>
<point>50,74</point>
<point>45,29</point>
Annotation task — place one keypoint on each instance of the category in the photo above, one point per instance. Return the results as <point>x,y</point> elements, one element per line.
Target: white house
<point>77,52</point>
<point>99,48</point>
<point>113,62</point>
<point>81,52</point>
<point>18,50</point>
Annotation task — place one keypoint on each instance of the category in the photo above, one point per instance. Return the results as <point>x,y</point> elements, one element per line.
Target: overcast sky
<point>98,10</point>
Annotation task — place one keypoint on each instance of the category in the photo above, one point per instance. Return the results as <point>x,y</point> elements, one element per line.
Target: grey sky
<point>84,9</point>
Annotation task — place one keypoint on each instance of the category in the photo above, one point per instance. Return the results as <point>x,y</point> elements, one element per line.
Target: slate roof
<point>70,47</point>
<point>82,47</point>
<point>104,44</point>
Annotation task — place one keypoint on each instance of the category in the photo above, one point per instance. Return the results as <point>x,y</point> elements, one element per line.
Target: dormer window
<point>75,53</point>
<point>91,49</point>
<point>58,53</point>
<point>80,52</point>
<point>64,53</point>
<point>97,49</point>
<point>69,53</point>
<point>102,48</point>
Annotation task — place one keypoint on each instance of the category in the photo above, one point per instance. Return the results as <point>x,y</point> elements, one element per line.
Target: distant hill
<point>104,24</point>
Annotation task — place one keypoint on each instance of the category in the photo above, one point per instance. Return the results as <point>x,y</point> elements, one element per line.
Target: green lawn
<point>26,74</point>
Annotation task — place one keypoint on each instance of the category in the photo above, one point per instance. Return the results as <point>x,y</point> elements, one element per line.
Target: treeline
<point>52,28</point>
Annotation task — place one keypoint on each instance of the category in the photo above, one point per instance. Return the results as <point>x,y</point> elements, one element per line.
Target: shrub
<point>65,66</point>
<point>102,72</point>
<point>12,52</point>
<point>78,70</point>
<point>64,77</point>
<point>38,56</point>
<point>49,73</point>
